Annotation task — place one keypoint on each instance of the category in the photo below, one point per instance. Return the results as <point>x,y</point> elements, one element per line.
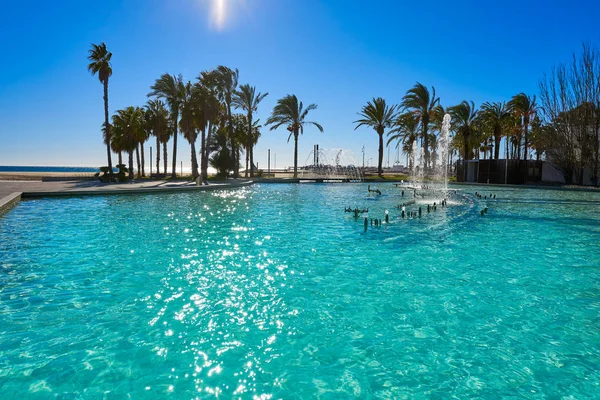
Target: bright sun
<point>219,11</point>
<point>223,12</point>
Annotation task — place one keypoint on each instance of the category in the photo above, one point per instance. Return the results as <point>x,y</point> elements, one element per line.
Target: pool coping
<point>8,202</point>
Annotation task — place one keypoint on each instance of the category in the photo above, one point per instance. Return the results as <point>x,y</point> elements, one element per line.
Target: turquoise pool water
<point>273,291</point>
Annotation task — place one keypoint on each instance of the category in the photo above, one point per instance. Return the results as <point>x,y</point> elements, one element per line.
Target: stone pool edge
<point>8,202</point>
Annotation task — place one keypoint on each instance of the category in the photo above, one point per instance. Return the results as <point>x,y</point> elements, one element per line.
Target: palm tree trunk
<point>157,156</point>
<point>202,149</point>
<point>108,133</point>
<point>296,153</point>
<point>249,146</point>
<point>234,153</point>
<point>251,160</point>
<point>205,152</point>
<point>506,162</point>
<point>379,164</point>
<point>131,165</point>
<point>426,141</point>
<point>143,169</point>
<point>173,171</point>
<point>165,158</point>
<point>247,158</point>
<point>137,157</point>
<point>497,137</point>
<point>526,129</point>
<point>194,159</point>
<point>120,158</point>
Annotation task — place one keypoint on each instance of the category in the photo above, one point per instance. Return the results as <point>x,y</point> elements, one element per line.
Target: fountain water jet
<point>331,164</point>
<point>444,143</point>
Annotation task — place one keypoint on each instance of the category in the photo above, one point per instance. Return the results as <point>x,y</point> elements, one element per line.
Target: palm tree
<point>494,116</point>
<point>228,81</point>
<point>114,145</point>
<point>464,118</point>
<point>526,108</point>
<point>247,99</point>
<point>157,117</point>
<point>540,137</point>
<point>99,64</point>
<point>170,88</point>
<point>422,103</point>
<point>405,131</point>
<point>209,83</point>
<point>127,124</point>
<point>191,119</point>
<point>290,112</point>
<point>143,134</point>
<point>378,115</point>
<point>221,158</point>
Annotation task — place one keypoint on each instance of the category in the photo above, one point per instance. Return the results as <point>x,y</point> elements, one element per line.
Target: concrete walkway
<point>12,191</point>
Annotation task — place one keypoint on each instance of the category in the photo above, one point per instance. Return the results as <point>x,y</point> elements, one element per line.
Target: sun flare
<point>223,13</point>
<point>219,11</point>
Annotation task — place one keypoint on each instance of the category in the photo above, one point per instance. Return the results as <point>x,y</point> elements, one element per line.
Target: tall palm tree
<point>99,58</point>
<point>379,116</point>
<point>513,134</point>
<point>405,131</point>
<point>291,112</point>
<point>248,100</point>
<point>191,118</point>
<point>228,81</point>
<point>208,81</point>
<point>170,88</point>
<point>494,116</point>
<point>422,103</point>
<point>464,119</point>
<point>143,134</point>
<point>526,108</point>
<point>157,117</point>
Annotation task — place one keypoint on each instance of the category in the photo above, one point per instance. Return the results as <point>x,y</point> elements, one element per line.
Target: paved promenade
<point>28,189</point>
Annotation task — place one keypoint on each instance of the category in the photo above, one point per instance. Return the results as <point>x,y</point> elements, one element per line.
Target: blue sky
<point>337,54</point>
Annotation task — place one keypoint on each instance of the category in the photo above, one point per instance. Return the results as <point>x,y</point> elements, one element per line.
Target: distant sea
<point>14,168</point>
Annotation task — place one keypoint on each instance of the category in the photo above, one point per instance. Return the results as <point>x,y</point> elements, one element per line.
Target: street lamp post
<point>388,158</point>
<point>363,151</point>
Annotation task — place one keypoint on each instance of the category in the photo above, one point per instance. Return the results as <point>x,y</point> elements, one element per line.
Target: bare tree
<point>570,97</point>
